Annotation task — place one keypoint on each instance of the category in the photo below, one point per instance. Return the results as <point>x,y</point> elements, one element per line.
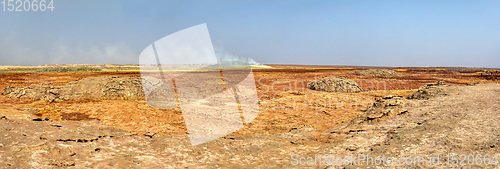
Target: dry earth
<point>126,133</point>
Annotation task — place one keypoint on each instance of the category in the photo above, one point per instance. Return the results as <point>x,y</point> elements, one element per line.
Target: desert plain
<point>398,112</point>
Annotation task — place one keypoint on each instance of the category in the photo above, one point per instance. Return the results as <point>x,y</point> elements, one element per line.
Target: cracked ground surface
<point>129,134</point>
<point>465,122</point>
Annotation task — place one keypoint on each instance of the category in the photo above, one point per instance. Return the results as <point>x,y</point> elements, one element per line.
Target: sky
<point>342,32</point>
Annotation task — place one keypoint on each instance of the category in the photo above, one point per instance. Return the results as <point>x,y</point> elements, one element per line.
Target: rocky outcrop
<point>430,91</point>
<point>385,107</point>
<point>108,87</point>
<point>377,73</point>
<point>335,84</point>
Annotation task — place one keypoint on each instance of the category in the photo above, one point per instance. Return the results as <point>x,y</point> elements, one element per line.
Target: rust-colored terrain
<point>287,107</point>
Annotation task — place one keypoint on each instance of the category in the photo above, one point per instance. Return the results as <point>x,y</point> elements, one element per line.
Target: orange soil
<point>284,100</point>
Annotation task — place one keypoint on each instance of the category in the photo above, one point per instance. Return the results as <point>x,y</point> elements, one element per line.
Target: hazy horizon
<point>356,33</point>
<point>271,64</point>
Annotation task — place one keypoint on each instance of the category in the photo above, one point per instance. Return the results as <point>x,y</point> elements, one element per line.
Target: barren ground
<point>292,120</point>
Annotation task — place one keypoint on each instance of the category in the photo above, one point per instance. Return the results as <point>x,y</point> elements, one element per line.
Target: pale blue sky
<point>365,33</point>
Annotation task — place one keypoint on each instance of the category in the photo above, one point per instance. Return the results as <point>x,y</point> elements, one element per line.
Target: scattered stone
<point>150,134</point>
<point>385,107</point>
<point>390,105</point>
<point>300,134</point>
<point>296,93</point>
<point>56,125</point>
<point>335,84</point>
<point>61,156</point>
<point>41,119</point>
<point>60,163</point>
<point>430,91</point>
<point>351,148</point>
<point>377,73</point>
